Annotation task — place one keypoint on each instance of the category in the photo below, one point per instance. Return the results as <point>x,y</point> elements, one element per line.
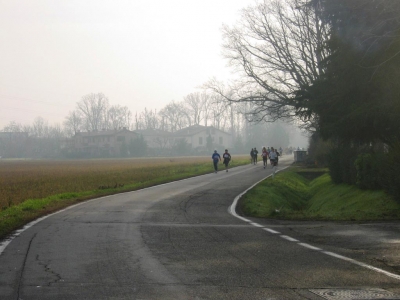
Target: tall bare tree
<point>94,109</point>
<point>118,117</point>
<point>175,117</point>
<point>150,119</point>
<point>276,49</point>
<point>194,106</point>
<point>73,122</point>
<point>206,101</point>
<point>219,111</point>
<point>40,128</point>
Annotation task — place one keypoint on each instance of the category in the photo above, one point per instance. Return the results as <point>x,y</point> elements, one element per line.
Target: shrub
<point>368,170</point>
<point>341,164</point>
<point>390,172</point>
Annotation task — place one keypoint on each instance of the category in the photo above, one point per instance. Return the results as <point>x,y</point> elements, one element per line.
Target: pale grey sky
<point>139,53</point>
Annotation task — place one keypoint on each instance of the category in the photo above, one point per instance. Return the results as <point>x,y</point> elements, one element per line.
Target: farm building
<point>101,143</point>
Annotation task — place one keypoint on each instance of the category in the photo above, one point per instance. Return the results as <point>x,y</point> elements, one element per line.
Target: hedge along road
<point>173,241</point>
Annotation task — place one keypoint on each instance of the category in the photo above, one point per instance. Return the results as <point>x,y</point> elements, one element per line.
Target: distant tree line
<point>94,112</point>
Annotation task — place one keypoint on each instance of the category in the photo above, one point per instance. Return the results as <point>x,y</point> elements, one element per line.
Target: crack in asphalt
<point>47,269</point>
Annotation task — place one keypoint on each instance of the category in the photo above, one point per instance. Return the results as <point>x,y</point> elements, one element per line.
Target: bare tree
<point>94,109</point>
<point>40,128</point>
<point>206,101</point>
<point>174,116</point>
<point>73,123</point>
<point>138,122</point>
<point>150,119</point>
<point>56,132</point>
<point>276,49</point>
<point>13,127</point>
<point>118,117</point>
<point>195,105</point>
<point>219,111</point>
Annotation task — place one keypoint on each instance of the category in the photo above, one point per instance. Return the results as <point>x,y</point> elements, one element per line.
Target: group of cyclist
<point>266,153</point>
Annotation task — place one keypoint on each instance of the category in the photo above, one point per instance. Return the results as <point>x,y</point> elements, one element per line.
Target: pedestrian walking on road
<point>273,157</point>
<point>252,156</point>
<point>255,153</point>
<point>264,155</point>
<point>277,156</point>
<point>227,158</point>
<point>216,159</point>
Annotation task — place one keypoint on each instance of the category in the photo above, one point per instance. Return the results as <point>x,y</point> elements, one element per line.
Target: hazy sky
<point>139,53</point>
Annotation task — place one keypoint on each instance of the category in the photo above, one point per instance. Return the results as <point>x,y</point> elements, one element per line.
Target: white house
<point>197,135</point>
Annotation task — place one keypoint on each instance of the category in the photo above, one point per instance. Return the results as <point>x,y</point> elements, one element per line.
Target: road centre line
<point>232,211</point>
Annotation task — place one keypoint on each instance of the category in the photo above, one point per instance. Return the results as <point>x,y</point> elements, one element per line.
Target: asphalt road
<point>178,241</point>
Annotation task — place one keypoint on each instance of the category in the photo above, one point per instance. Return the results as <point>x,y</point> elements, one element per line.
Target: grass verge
<point>298,194</point>
<point>15,216</point>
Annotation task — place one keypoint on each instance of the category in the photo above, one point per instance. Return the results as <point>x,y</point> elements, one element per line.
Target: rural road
<point>178,241</point>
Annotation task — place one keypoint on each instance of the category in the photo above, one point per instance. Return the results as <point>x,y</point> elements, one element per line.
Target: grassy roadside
<point>15,216</point>
<point>299,194</point>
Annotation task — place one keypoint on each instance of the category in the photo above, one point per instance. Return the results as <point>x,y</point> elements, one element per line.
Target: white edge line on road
<point>289,238</point>
<point>363,265</point>
<point>271,230</point>
<point>232,211</point>
<point>309,246</point>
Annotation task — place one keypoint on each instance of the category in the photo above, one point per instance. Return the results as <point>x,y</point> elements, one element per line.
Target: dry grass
<point>33,179</point>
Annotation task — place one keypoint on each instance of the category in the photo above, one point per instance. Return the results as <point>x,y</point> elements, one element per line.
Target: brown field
<point>33,179</point>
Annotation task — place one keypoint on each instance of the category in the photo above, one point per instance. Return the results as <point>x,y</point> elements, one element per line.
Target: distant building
<point>102,143</point>
<point>114,143</point>
<point>197,135</point>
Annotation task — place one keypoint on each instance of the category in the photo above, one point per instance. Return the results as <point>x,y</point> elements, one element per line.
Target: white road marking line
<point>232,208</point>
<point>289,238</point>
<point>309,246</point>
<point>395,276</point>
<point>271,231</point>
<point>243,219</point>
<point>232,211</point>
<point>256,224</point>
